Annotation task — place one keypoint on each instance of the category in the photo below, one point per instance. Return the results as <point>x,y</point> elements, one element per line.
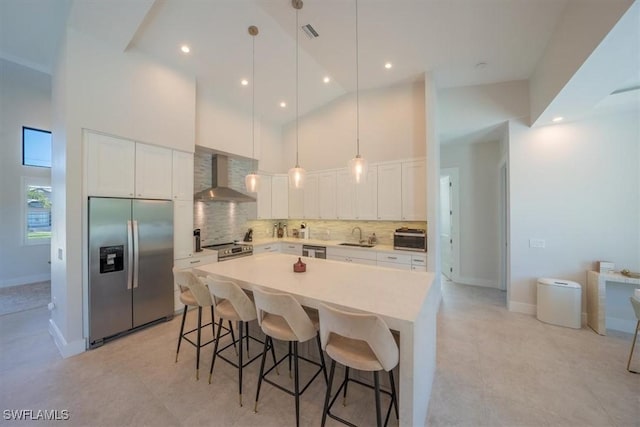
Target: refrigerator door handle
<point>129,255</point>
<point>136,253</point>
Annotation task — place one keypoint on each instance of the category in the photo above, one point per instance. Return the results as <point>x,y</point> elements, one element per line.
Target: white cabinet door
<point>271,247</point>
<point>366,200</point>
<point>327,195</point>
<point>389,195</point>
<point>414,191</point>
<point>110,165</point>
<point>345,195</point>
<point>280,197</point>
<point>183,243</point>
<point>296,203</point>
<point>291,248</point>
<point>264,198</point>
<point>153,172</point>
<point>182,186</point>
<point>310,197</point>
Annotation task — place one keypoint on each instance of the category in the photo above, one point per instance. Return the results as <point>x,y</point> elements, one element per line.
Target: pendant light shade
<point>297,175</point>
<point>358,166</point>
<point>252,180</point>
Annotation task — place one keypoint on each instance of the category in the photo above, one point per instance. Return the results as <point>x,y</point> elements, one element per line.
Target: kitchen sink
<point>358,245</point>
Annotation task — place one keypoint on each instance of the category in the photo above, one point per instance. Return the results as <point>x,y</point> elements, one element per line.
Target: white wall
<point>392,126</point>
<point>125,94</point>
<point>25,100</point>
<point>577,186</point>
<point>479,195</point>
<point>226,129</point>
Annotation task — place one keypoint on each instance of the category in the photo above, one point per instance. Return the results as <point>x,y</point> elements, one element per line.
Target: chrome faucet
<point>360,230</point>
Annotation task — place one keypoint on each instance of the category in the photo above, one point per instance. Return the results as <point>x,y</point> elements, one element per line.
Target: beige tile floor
<point>495,368</point>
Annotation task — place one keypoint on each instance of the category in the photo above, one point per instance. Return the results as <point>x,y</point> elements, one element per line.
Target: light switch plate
<point>60,254</point>
<point>537,243</point>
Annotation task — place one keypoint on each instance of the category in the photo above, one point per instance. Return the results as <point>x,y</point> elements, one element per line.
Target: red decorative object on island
<point>299,267</point>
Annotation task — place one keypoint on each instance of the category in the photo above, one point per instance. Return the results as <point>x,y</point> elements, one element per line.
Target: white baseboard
<point>25,280</point>
<point>66,349</point>
<point>521,307</point>
<point>476,282</point>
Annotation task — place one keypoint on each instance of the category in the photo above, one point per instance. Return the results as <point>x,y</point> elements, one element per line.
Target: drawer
<point>291,248</point>
<point>195,261</point>
<point>395,258</point>
<point>395,265</point>
<point>351,253</point>
<point>419,260</point>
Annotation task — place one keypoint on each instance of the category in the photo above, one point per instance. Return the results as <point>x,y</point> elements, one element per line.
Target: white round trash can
<point>560,302</point>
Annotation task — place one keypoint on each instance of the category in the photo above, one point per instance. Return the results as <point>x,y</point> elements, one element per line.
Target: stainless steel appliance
<point>410,239</point>
<point>227,251</point>
<point>313,251</point>
<point>130,262</point>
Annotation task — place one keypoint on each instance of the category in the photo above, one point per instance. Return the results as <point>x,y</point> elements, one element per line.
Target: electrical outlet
<point>537,243</point>
<point>60,254</point>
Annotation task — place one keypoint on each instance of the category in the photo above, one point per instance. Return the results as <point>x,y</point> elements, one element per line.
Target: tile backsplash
<point>337,229</point>
<point>221,222</point>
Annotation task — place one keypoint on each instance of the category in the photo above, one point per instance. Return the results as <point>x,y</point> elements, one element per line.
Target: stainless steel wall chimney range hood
<point>219,190</point>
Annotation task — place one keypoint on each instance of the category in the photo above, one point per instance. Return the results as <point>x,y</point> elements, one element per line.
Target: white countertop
<point>332,243</point>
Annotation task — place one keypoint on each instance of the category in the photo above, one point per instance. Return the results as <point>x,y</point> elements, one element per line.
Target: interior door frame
<point>454,177</point>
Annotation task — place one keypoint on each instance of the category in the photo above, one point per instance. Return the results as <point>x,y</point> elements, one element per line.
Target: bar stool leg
<point>264,357</point>
<point>297,386</point>
<point>289,357</point>
<point>327,395</point>
<point>633,344</point>
<point>346,384</point>
<point>184,317</point>
<point>240,324</point>
<point>394,396</point>
<point>376,382</point>
<point>215,351</point>
<point>198,346</point>
<point>213,323</point>
<point>233,337</point>
<point>246,334</point>
<point>324,367</point>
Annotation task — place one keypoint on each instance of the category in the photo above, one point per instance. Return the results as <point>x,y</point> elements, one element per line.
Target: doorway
<point>449,223</point>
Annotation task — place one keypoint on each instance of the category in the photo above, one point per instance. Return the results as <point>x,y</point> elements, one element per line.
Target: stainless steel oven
<point>410,239</point>
<point>227,251</point>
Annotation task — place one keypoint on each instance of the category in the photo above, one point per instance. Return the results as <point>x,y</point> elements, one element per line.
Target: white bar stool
<point>232,304</point>
<point>282,317</point>
<point>195,294</point>
<point>359,341</point>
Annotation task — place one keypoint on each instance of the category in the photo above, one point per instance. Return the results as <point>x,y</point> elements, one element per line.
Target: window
<point>36,147</point>
<point>37,211</point>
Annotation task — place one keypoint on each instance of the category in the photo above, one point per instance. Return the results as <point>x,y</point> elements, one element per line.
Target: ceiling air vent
<point>310,31</point>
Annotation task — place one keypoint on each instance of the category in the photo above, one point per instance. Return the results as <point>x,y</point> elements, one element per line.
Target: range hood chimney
<point>219,190</point>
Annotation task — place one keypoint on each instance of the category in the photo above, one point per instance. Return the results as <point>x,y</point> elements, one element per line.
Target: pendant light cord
<point>357,88</point>
<point>297,90</point>
<point>253,101</point>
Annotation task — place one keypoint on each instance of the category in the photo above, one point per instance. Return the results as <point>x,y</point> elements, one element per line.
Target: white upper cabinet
<point>345,195</point>
<point>153,172</point>
<point>327,195</point>
<point>182,186</point>
<point>310,197</point>
<point>110,166</point>
<point>296,202</point>
<point>389,196</point>
<point>414,190</point>
<point>263,210</point>
<point>280,197</point>
<point>366,200</point>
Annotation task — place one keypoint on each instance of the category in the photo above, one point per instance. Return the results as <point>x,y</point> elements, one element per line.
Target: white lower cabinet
<point>351,255</point>
<point>291,248</point>
<point>419,262</point>
<point>197,260</point>
<point>182,229</point>
<point>394,260</point>
<point>271,247</point>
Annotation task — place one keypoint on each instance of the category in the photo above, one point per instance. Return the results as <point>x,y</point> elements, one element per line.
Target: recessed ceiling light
<point>557,119</point>
<point>388,65</point>
<point>185,49</point>
<point>283,104</point>
<point>244,82</point>
<point>481,65</point>
<point>327,79</point>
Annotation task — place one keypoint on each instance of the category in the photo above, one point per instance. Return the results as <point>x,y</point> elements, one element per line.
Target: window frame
<point>24,128</point>
<point>27,181</point>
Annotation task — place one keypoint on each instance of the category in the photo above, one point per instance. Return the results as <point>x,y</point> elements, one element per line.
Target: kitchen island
<point>407,301</point>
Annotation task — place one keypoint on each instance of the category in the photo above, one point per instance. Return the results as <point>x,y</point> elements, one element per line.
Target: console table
<point>597,297</point>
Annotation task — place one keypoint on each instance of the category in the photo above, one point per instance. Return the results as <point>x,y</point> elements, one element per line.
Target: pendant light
<point>297,175</point>
<point>252,180</point>
<point>358,166</point>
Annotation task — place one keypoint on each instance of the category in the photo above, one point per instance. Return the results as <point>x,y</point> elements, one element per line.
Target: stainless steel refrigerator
<point>130,265</point>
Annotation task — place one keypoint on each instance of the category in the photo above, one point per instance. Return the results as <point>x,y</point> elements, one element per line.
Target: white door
<point>446,238</point>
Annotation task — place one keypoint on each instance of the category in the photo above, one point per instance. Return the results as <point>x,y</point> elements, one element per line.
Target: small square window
<point>36,147</point>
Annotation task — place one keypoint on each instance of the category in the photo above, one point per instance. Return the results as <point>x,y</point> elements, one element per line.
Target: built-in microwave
<point>410,239</point>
